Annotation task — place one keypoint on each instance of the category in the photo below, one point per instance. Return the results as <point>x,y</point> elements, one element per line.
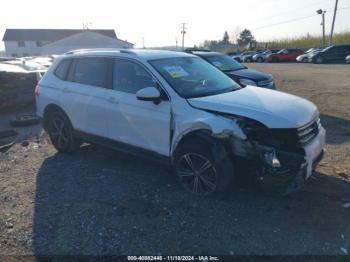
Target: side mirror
<point>149,94</point>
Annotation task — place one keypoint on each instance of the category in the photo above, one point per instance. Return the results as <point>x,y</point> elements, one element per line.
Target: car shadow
<point>338,129</point>
<point>99,201</point>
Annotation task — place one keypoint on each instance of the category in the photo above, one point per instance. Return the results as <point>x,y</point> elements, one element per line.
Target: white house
<point>36,42</point>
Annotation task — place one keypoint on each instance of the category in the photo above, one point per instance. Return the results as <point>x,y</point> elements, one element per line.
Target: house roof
<point>49,34</point>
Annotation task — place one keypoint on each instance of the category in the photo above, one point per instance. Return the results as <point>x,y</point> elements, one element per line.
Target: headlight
<point>247,82</point>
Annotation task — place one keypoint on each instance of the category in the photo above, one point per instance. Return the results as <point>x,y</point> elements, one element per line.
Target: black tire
<point>274,60</point>
<point>260,60</point>
<point>25,120</point>
<point>61,132</point>
<point>217,177</point>
<point>319,60</point>
<point>248,60</point>
<point>305,60</point>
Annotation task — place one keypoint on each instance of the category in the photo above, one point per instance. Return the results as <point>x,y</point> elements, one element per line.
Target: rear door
<point>342,52</point>
<point>142,124</point>
<point>84,97</point>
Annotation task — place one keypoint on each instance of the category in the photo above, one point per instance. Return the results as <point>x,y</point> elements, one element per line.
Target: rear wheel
<point>248,60</point>
<point>260,60</point>
<point>200,173</point>
<point>305,60</point>
<point>61,132</point>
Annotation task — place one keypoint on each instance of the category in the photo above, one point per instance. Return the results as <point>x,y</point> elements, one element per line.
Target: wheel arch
<point>50,108</point>
<point>205,136</point>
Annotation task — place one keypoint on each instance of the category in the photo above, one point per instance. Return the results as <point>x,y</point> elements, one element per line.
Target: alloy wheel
<point>197,174</point>
<point>59,133</point>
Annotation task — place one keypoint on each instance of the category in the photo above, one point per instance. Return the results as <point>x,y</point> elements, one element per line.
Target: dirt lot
<point>102,202</point>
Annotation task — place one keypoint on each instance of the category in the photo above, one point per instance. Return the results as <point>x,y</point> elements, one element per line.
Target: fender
<point>216,126</point>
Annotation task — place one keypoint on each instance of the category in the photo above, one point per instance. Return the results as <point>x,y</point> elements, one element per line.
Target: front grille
<point>306,133</point>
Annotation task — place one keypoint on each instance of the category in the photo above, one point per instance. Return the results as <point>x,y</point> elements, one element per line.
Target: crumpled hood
<point>272,108</point>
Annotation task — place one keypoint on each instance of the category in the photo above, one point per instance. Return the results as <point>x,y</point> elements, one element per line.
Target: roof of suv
<point>143,53</point>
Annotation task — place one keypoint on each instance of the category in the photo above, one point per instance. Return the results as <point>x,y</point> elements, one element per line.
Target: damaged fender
<point>219,127</point>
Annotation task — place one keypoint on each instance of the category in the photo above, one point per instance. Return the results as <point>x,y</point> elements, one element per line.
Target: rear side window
<point>91,71</point>
<point>62,69</point>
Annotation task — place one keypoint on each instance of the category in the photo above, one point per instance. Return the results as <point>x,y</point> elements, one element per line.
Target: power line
<point>284,22</point>
<point>289,11</point>
<point>295,19</point>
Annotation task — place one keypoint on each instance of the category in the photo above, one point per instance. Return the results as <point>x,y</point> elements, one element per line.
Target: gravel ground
<point>99,201</point>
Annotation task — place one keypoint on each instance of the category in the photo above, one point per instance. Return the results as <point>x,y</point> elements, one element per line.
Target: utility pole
<point>143,42</point>
<point>334,15</point>
<point>322,12</point>
<point>183,32</point>
<point>176,43</point>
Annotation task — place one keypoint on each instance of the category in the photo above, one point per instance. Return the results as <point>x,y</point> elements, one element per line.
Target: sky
<point>157,22</point>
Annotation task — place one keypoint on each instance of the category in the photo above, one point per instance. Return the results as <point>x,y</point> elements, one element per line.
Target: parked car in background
<point>304,58</point>
<point>236,71</point>
<point>232,53</point>
<point>249,57</point>
<point>347,59</point>
<point>242,56</point>
<point>44,61</point>
<point>17,85</point>
<point>285,55</point>
<point>260,57</point>
<point>178,109</point>
<point>28,65</point>
<point>335,53</point>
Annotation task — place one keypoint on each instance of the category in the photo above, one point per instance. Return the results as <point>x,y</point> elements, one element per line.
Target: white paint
<point>272,108</point>
<point>121,116</point>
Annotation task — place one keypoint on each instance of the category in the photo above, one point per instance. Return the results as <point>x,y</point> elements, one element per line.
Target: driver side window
<point>129,77</point>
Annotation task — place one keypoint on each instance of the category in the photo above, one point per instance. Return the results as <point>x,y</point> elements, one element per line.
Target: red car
<point>285,55</point>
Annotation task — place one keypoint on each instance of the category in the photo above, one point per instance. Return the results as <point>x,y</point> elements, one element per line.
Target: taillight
<point>36,90</point>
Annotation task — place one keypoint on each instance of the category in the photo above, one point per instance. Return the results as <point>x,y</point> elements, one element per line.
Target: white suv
<point>179,109</point>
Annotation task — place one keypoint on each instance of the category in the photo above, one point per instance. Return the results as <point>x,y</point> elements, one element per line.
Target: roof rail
<point>75,51</point>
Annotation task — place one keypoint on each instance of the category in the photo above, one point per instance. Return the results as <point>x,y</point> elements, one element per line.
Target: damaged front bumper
<point>282,170</point>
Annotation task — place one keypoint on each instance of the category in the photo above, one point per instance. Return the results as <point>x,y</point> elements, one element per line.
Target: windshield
<point>224,63</point>
<point>193,77</point>
<point>283,51</point>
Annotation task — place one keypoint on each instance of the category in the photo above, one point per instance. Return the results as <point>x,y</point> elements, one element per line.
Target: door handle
<point>65,90</point>
<point>112,100</point>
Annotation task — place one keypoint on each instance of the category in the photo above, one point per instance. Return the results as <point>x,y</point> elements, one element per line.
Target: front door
<point>142,124</point>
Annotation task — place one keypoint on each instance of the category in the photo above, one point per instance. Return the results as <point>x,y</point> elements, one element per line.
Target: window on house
<point>39,43</point>
<point>21,44</point>
<point>14,55</point>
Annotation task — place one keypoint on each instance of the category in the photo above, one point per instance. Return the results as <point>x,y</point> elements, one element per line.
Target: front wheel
<point>319,60</point>
<point>61,133</point>
<point>200,173</point>
<point>260,60</point>
<point>248,60</point>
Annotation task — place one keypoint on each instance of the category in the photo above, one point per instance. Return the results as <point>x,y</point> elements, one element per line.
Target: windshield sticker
<point>176,71</point>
